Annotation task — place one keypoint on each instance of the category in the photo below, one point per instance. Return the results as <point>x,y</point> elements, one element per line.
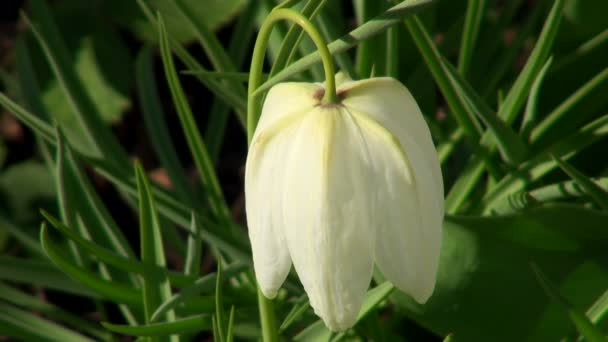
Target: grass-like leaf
<point>111,290</point>
<point>518,93</point>
<point>596,192</point>
<point>30,302</point>
<point>195,142</point>
<point>111,258</point>
<point>205,284</point>
<point>563,190</point>
<point>298,309</point>
<point>530,114</point>
<point>156,286</point>
<point>539,166</point>
<point>26,326</point>
<point>566,116</point>
<point>470,32</point>
<point>185,325</point>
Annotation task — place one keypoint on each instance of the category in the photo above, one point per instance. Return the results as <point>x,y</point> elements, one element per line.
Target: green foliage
<point>96,247</point>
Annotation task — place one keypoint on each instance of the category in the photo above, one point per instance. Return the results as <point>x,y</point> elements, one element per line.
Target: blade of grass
<point>15,322</point>
<point>520,89</point>
<point>530,114</point>
<point>40,273</point>
<point>156,125</point>
<point>539,166</point>
<point>220,314</point>
<point>566,117</point>
<point>591,188</point>
<point>470,32</point>
<point>107,289</point>
<point>27,301</point>
<point>111,258</point>
<point>221,61</point>
<point>363,32</point>
<point>192,266</point>
<point>195,141</point>
<point>563,190</point>
<point>156,287</point>
<point>234,245</point>
<point>297,311</point>
<point>230,96</point>
<point>230,328</point>
<point>205,284</point>
<point>185,325</point>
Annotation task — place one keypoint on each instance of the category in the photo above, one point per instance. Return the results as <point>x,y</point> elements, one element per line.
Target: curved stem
<point>257,62</point>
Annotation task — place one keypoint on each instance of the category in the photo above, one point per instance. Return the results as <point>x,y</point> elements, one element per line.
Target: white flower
<point>335,188</point>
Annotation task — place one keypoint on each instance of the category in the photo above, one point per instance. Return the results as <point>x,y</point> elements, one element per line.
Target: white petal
<point>265,179</point>
<point>285,99</point>
<point>328,206</point>
<point>389,102</point>
<point>410,220</point>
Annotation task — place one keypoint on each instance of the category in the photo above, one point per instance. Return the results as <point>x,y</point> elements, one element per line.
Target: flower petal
<point>390,103</point>
<point>409,224</point>
<point>285,99</point>
<point>329,226</point>
<point>265,179</point>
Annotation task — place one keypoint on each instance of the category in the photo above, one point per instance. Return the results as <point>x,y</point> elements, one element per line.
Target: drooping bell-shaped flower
<point>335,188</point>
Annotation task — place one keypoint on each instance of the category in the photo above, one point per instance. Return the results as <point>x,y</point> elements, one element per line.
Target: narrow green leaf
<point>113,259</point>
<point>17,323</point>
<point>185,325</point>
<point>205,284</point>
<point>93,136</point>
<point>563,190</point>
<point>230,96</point>
<point>582,322</point>
<point>363,32</point>
<point>509,144</point>
<point>220,60</point>
<point>230,328</point>
<point>591,188</point>
<point>519,91</point>
<point>40,273</point>
<point>599,308</point>
<point>30,302</point>
<point>373,298</point>
<point>171,208</point>
<point>157,127</point>
<point>296,312</point>
<point>539,166</point>
<point>110,290</point>
<point>41,127</point>
<point>329,29</point>
<point>530,114</point>
<point>195,142</point>
<point>432,57</point>
<point>156,287</point>
<point>222,75</point>
<point>192,266</point>
<point>470,32</point>
<point>565,117</point>
<point>220,315</point>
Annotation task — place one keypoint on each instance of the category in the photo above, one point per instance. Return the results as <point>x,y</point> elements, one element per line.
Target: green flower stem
<point>267,318</point>
<point>257,62</point>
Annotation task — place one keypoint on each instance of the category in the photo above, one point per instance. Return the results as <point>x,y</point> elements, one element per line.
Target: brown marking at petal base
<point>319,93</point>
<point>342,94</point>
